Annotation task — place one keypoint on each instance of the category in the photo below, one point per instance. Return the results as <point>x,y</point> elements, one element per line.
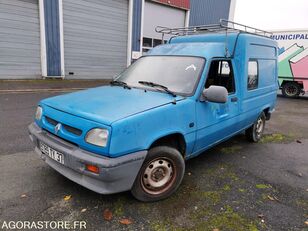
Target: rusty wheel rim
<point>158,176</point>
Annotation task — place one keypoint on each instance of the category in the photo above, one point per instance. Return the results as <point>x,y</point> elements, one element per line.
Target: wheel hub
<point>157,176</point>
<point>291,90</point>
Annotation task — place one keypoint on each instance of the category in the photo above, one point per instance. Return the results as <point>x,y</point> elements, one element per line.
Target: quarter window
<point>252,82</point>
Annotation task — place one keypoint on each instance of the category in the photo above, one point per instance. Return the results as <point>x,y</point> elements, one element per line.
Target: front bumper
<point>115,174</point>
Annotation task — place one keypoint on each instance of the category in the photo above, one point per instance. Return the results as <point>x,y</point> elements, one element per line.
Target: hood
<point>108,103</point>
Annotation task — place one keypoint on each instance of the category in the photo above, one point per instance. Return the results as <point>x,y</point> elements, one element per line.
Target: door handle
<point>234,99</point>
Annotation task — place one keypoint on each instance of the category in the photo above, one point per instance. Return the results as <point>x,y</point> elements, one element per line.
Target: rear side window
<point>253,78</point>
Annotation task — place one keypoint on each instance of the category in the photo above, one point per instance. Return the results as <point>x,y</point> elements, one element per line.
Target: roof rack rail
<point>224,26</point>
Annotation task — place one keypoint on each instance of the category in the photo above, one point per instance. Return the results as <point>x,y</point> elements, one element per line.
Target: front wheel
<point>291,89</point>
<point>160,175</point>
<point>255,132</point>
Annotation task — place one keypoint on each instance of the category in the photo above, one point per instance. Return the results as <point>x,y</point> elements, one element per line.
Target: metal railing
<point>225,26</point>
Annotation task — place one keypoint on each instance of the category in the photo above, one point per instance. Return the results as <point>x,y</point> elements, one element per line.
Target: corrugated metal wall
<point>19,39</point>
<point>95,34</point>
<point>52,31</point>
<point>208,11</point>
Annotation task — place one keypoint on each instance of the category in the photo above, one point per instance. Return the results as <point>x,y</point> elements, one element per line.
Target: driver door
<point>216,121</point>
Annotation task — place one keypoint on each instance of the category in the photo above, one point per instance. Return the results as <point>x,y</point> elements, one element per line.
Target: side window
<point>221,74</point>
<point>253,78</point>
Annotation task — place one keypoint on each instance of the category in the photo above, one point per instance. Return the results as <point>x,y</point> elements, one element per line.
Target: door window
<point>221,74</point>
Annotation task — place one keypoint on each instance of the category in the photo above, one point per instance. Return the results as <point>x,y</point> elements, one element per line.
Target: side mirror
<point>215,94</point>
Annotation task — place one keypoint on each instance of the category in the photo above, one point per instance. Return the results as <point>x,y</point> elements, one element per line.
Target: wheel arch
<point>267,112</point>
<point>291,81</point>
<point>176,140</point>
<point>286,81</point>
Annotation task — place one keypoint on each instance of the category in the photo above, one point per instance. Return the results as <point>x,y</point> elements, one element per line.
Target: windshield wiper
<point>120,83</point>
<point>151,84</point>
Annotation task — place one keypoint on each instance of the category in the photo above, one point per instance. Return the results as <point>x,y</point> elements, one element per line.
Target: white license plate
<point>53,154</point>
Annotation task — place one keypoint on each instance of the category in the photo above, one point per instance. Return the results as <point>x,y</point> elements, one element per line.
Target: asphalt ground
<point>48,84</point>
<point>234,186</point>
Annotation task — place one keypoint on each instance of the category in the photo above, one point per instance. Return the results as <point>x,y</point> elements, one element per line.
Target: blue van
<point>204,86</point>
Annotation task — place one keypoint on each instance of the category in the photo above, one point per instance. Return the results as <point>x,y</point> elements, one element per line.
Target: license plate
<point>53,154</point>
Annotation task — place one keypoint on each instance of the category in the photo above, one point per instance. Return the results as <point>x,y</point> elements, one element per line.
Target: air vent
<point>68,128</point>
<point>51,121</point>
<point>73,130</point>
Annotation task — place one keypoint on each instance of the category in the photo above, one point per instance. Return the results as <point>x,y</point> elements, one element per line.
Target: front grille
<point>73,130</point>
<point>68,128</point>
<point>51,121</point>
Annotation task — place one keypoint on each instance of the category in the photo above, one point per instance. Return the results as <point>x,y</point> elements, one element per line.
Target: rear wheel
<point>291,89</point>
<point>255,132</point>
<point>160,175</point>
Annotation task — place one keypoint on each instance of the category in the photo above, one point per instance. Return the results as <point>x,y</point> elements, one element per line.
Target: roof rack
<point>224,26</point>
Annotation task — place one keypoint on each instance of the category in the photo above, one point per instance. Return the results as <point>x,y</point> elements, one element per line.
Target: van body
<point>173,104</point>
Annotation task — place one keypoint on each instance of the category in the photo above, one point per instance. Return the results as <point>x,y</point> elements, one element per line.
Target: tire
<point>160,175</point>
<point>255,132</point>
<point>291,89</point>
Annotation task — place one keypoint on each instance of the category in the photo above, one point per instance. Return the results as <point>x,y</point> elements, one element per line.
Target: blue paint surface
<point>108,103</point>
<point>203,12</point>
<point>136,33</point>
<point>52,34</point>
<point>281,50</point>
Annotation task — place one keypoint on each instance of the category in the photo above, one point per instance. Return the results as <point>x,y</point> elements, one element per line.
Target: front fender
<point>139,131</point>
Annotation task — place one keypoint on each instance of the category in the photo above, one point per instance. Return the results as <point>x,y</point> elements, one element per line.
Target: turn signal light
<point>92,168</point>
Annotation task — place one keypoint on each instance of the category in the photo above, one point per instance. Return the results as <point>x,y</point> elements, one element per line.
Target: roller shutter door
<point>156,14</point>
<point>19,39</point>
<point>95,38</point>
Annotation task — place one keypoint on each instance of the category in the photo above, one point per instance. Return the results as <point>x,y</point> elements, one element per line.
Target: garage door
<point>95,38</point>
<point>156,14</point>
<point>19,39</point>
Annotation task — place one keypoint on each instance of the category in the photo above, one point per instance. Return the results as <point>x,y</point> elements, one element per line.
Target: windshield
<point>178,73</point>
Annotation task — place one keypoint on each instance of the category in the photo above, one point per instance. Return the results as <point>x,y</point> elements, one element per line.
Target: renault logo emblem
<point>57,128</point>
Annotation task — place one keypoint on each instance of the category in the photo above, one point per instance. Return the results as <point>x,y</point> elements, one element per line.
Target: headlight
<point>98,137</point>
<point>38,113</point>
